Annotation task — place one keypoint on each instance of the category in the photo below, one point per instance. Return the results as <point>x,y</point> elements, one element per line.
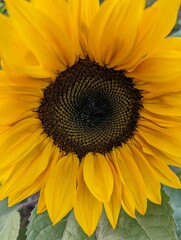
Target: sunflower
<point>90,105</point>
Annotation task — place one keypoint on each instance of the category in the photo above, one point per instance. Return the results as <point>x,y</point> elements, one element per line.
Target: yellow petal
<point>41,207</point>
<point>156,153</point>
<point>21,100</point>
<point>34,179</point>
<point>25,61</point>
<point>27,134</point>
<point>161,66</point>
<point>169,9</point>
<point>58,11</point>
<point>113,207</point>
<point>160,119</point>
<point>171,160</point>
<point>19,110</point>
<point>5,81</point>
<point>164,173</point>
<point>82,14</point>
<point>33,165</point>
<point>98,176</point>
<point>18,196</point>
<point>159,160</point>
<point>19,193</point>
<point>166,140</point>
<point>166,105</point>
<point>127,200</point>
<point>132,177</point>
<point>169,43</point>
<point>32,94</point>
<point>5,173</point>
<point>16,79</point>
<point>51,42</point>
<point>87,208</point>
<point>153,89</point>
<point>61,186</point>
<point>113,31</point>
<point>55,156</point>
<point>149,176</point>
<point>153,27</point>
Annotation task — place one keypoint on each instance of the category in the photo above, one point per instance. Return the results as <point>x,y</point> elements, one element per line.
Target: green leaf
<point>41,228</point>
<point>175,199</point>
<point>127,228</point>
<point>150,2</point>
<point>4,209</point>
<point>156,224</point>
<point>73,231</point>
<point>9,221</point>
<point>2,8</point>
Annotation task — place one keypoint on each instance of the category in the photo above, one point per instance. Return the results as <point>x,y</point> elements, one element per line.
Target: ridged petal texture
<point>41,38</point>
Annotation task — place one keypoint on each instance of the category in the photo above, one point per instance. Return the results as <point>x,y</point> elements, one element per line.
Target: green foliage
<point>41,228</point>
<point>2,8</point>
<point>175,199</point>
<point>9,221</point>
<point>150,2</point>
<point>157,224</point>
<point>73,231</point>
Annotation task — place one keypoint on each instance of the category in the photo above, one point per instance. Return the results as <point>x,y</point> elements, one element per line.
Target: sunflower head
<point>90,105</point>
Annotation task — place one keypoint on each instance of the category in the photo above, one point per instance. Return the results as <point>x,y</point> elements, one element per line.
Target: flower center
<point>90,108</point>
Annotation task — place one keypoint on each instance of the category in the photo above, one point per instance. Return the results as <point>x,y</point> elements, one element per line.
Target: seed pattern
<point>90,108</point>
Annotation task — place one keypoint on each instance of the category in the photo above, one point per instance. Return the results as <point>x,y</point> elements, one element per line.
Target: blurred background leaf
<point>9,221</point>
